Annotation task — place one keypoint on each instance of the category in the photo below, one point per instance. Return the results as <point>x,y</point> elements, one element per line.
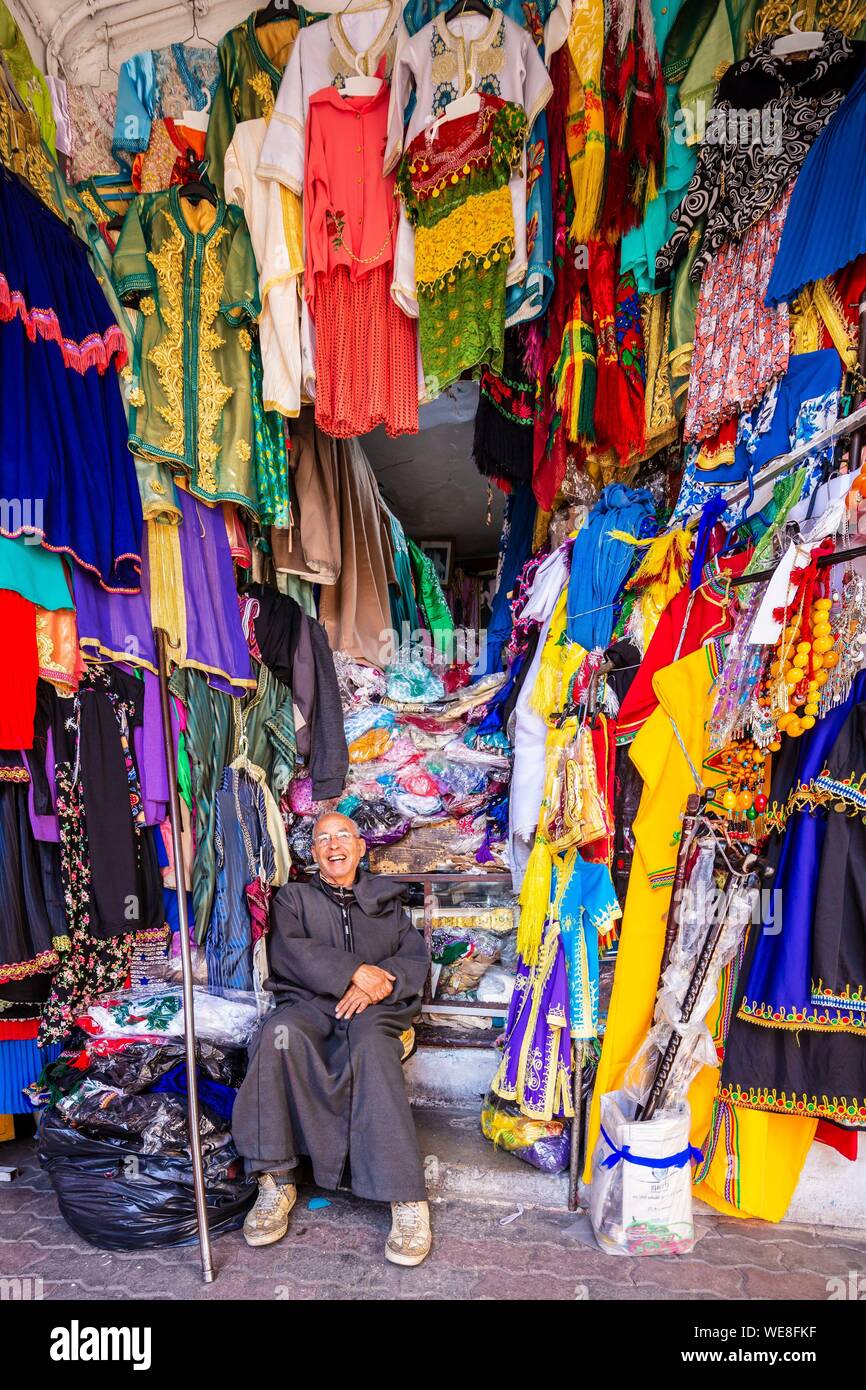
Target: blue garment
<point>519,524</point>
<point>243,848</point>
<point>529,299</point>
<point>769,430</point>
<point>214,1094</point>
<point>21,1063</point>
<point>404,609</point>
<point>794,410</point>
<point>780,974</point>
<point>642,244</point>
<point>141,91</point>
<point>63,442</point>
<point>587,907</point>
<point>600,564</point>
<point>825,226</point>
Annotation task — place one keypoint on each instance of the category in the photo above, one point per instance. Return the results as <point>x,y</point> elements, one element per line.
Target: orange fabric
<point>366,365</point>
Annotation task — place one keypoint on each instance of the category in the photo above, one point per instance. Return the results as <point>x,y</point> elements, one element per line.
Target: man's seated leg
<point>386,1161</point>
<point>261,1121</point>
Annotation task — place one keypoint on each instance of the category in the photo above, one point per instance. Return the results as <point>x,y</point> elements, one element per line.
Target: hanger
<point>361,86</point>
<point>201,38</point>
<point>468,7</point>
<point>797,40</point>
<point>275,11</point>
<point>198,191</point>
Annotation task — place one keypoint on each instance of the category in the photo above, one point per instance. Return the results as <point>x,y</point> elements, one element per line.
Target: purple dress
<point>119,625</point>
<point>536,1059</point>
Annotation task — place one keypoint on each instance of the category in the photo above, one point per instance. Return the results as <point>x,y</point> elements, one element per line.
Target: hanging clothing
<point>356,610</point>
<point>29,81</point>
<point>526,299</point>
<point>310,547</point>
<point>600,563</point>
<point>244,853</point>
<point>515,550</point>
<point>275,220</point>
<point>324,55</point>
<point>737,180</point>
<point>583,898</point>
<point>192,273</point>
<point>437,615</point>
<point>829,192</point>
<point>172,156</point>
<point>92,115</point>
<point>670,744</point>
<point>251,60</point>
<point>336,1093</point>
<point>160,82</point>
<point>295,649</point>
<point>443,61</point>
<point>740,346</point>
<point>536,1049</point>
<point>208,741</point>
<point>454,188</point>
<point>188,588</point>
<point>36,574</point>
<point>502,442</point>
<point>33,926</point>
<point>63,421</point>
<point>366,370</point>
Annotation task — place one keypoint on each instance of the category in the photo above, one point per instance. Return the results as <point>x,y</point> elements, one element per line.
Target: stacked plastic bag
<point>114,1137</point>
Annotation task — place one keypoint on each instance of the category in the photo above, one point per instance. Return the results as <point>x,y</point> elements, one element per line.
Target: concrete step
<point>447,1086</point>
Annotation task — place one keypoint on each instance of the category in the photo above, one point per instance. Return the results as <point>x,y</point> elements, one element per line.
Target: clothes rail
<point>824,561</point>
<point>847,425</point>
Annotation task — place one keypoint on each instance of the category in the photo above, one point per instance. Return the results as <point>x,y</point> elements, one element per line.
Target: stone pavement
<point>335,1252</point>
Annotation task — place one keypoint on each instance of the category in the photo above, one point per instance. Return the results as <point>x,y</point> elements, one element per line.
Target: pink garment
<point>349,205</point>
<point>741,346</point>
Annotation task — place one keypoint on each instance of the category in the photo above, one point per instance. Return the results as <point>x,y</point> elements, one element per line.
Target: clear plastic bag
<point>228,1016</point>
<point>641,1192</point>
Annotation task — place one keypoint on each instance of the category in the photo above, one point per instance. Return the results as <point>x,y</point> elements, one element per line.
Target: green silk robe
<point>248,85</point>
<point>197,292</point>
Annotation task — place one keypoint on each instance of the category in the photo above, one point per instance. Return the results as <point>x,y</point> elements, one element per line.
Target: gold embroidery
<point>148,305</point>
<point>91,204</point>
<point>243,451</point>
<point>471,232</point>
<point>263,88</point>
<point>137,398</point>
<point>167,356</point>
<point>245,340</point>
<point>444,68</point>
<point>126,373</point>
<point>213,394</point>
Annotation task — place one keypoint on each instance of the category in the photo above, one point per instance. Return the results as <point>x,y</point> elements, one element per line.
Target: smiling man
<point>325,1079</point>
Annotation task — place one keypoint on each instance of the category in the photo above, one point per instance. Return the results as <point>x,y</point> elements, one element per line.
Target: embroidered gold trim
<point>167,355</point>
<point>213,393</point>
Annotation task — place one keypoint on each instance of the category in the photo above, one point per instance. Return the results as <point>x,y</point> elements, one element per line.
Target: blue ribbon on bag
<point>675,1161</point>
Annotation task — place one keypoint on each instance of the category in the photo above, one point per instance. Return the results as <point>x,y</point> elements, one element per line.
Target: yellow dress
<point>769,1150</point>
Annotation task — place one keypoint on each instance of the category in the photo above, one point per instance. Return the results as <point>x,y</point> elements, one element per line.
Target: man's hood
<point>377,895</point>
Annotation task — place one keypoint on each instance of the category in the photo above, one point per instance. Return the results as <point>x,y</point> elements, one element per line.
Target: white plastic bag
<point>641,1193</point>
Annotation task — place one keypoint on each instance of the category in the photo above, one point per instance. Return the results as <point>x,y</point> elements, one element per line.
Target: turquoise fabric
<point>641,245</point>
<point>36,574</point>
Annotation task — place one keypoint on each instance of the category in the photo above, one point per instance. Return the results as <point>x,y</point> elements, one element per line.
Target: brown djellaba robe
<point>325,1088</point>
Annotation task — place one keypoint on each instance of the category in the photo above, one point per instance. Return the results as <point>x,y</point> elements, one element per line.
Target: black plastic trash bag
<point>118,1198</point>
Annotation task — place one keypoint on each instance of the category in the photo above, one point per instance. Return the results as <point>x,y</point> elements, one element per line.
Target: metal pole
<point>576,1126</point>
<point>207,1268</point>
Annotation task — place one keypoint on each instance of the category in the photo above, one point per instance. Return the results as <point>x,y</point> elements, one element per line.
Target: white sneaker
<point>410,1239</point>
<point>268,1220</point>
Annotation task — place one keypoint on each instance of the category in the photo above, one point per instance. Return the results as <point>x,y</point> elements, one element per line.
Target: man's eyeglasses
<point>342,836</point>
